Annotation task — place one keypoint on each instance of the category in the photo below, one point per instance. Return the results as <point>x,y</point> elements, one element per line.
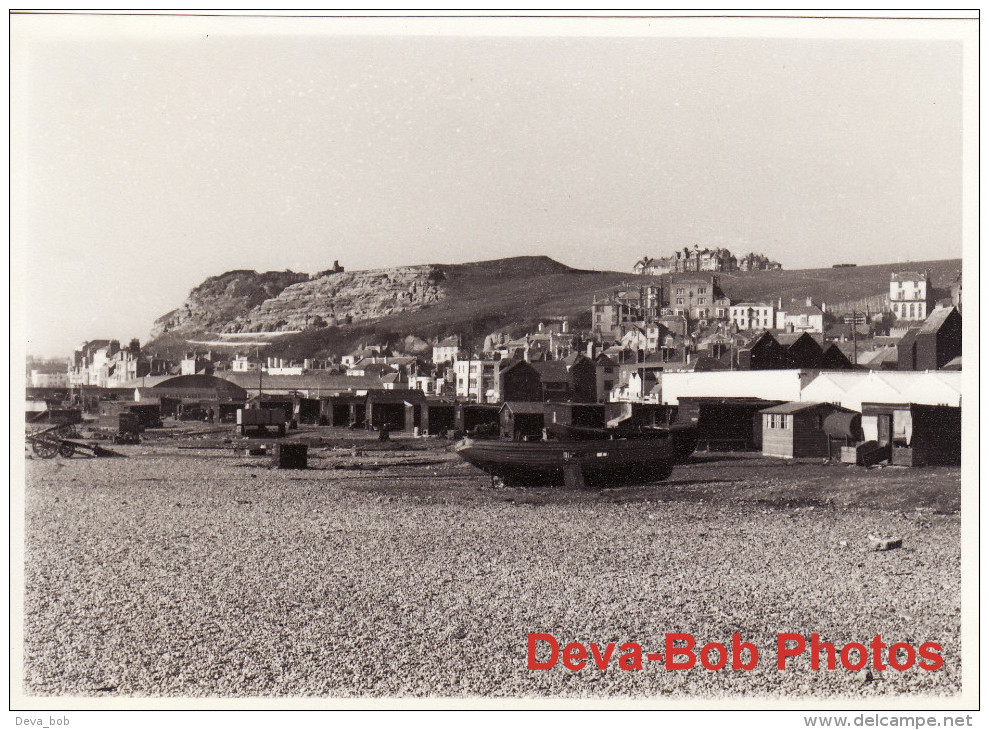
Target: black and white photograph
<point>494,362</point>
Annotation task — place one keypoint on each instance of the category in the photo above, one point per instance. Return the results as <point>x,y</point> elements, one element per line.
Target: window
<point>701,300</point>
<point>680,301</point>
<point>702,290</point>
<point>681,290</point>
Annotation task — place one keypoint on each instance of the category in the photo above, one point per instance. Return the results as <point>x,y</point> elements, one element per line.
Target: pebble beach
<point>399,571</point>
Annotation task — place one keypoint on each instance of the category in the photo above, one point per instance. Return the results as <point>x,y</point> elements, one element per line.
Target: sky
<point>150,154</point>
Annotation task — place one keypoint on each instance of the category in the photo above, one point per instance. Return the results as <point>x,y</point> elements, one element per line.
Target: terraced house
<point>698,298</point>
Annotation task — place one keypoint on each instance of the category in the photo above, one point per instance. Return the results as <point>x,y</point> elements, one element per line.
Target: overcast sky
<point>153,160</point>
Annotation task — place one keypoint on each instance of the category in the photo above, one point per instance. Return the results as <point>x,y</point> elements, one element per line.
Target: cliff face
<point>246,301</point>
<point>344,298</point>
<point>219,299</point>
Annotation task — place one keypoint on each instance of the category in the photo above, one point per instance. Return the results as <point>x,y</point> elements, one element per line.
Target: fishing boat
<point>574,463</point>
<point>683,436</point>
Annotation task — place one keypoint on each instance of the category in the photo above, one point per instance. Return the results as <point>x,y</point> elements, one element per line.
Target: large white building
<point>446,350</point>
<point>752,315</point>
<point>477,380</point>
<point>910,295</point>
<point>800,317</point>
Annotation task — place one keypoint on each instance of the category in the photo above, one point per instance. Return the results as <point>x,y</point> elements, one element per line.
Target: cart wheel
<point>66,450</point>
<point>45,449</point>
<point>66,431</point>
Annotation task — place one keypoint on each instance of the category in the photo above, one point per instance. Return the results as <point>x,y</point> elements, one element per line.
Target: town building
<point>702,259</point>
<point>910,295</point>
<point>612,315</point>
<point>934,344</point>
<point>38,379</point>
<point>802,316</point>
<point>608,374</point>
<point>243,364</point>
<point>362,352</point>
<point>956,292</point>
<point>446,350</point>
<point>752,315</point>
<point>698,299</point>
<point>477,380</point>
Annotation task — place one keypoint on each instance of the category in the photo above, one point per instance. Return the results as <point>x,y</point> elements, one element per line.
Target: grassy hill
<point>488,295</point>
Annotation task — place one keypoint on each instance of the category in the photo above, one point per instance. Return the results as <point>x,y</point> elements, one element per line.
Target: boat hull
<point>600,463</point>
<point>683,437</point>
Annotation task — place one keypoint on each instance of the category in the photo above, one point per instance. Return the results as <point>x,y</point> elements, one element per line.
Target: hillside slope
<point>476,298</point>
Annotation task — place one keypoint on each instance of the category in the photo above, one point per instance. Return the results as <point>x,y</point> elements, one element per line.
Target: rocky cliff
<point>344,298</point>
<point>248,301</point>
<point>213,304</point>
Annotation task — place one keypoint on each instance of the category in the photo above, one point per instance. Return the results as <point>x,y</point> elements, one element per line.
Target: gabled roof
<point>795,407</point>
<point>788,339</point>
<point>552,371</point>
<point>523,406</point>
<point>936,320</point>
<point>909,338</point>
<point>513,363</point>
<point>955,364</point>
<point>796,308</point>
<point>759,337</point>
<point>908,276</point>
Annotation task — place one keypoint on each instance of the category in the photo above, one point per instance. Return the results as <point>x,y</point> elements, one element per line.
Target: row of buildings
<point>683,323</point>
<point>906,418</point>
<point>703,259</point>
<point>621,372</point>
<point>698,300</point>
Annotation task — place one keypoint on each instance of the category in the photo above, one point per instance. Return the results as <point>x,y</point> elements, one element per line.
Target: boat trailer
<point>62,440</point>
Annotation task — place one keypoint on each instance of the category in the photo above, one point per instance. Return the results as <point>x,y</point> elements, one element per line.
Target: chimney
<point>565,326</point>
<point>810,303</point>
<point>590,350</point>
